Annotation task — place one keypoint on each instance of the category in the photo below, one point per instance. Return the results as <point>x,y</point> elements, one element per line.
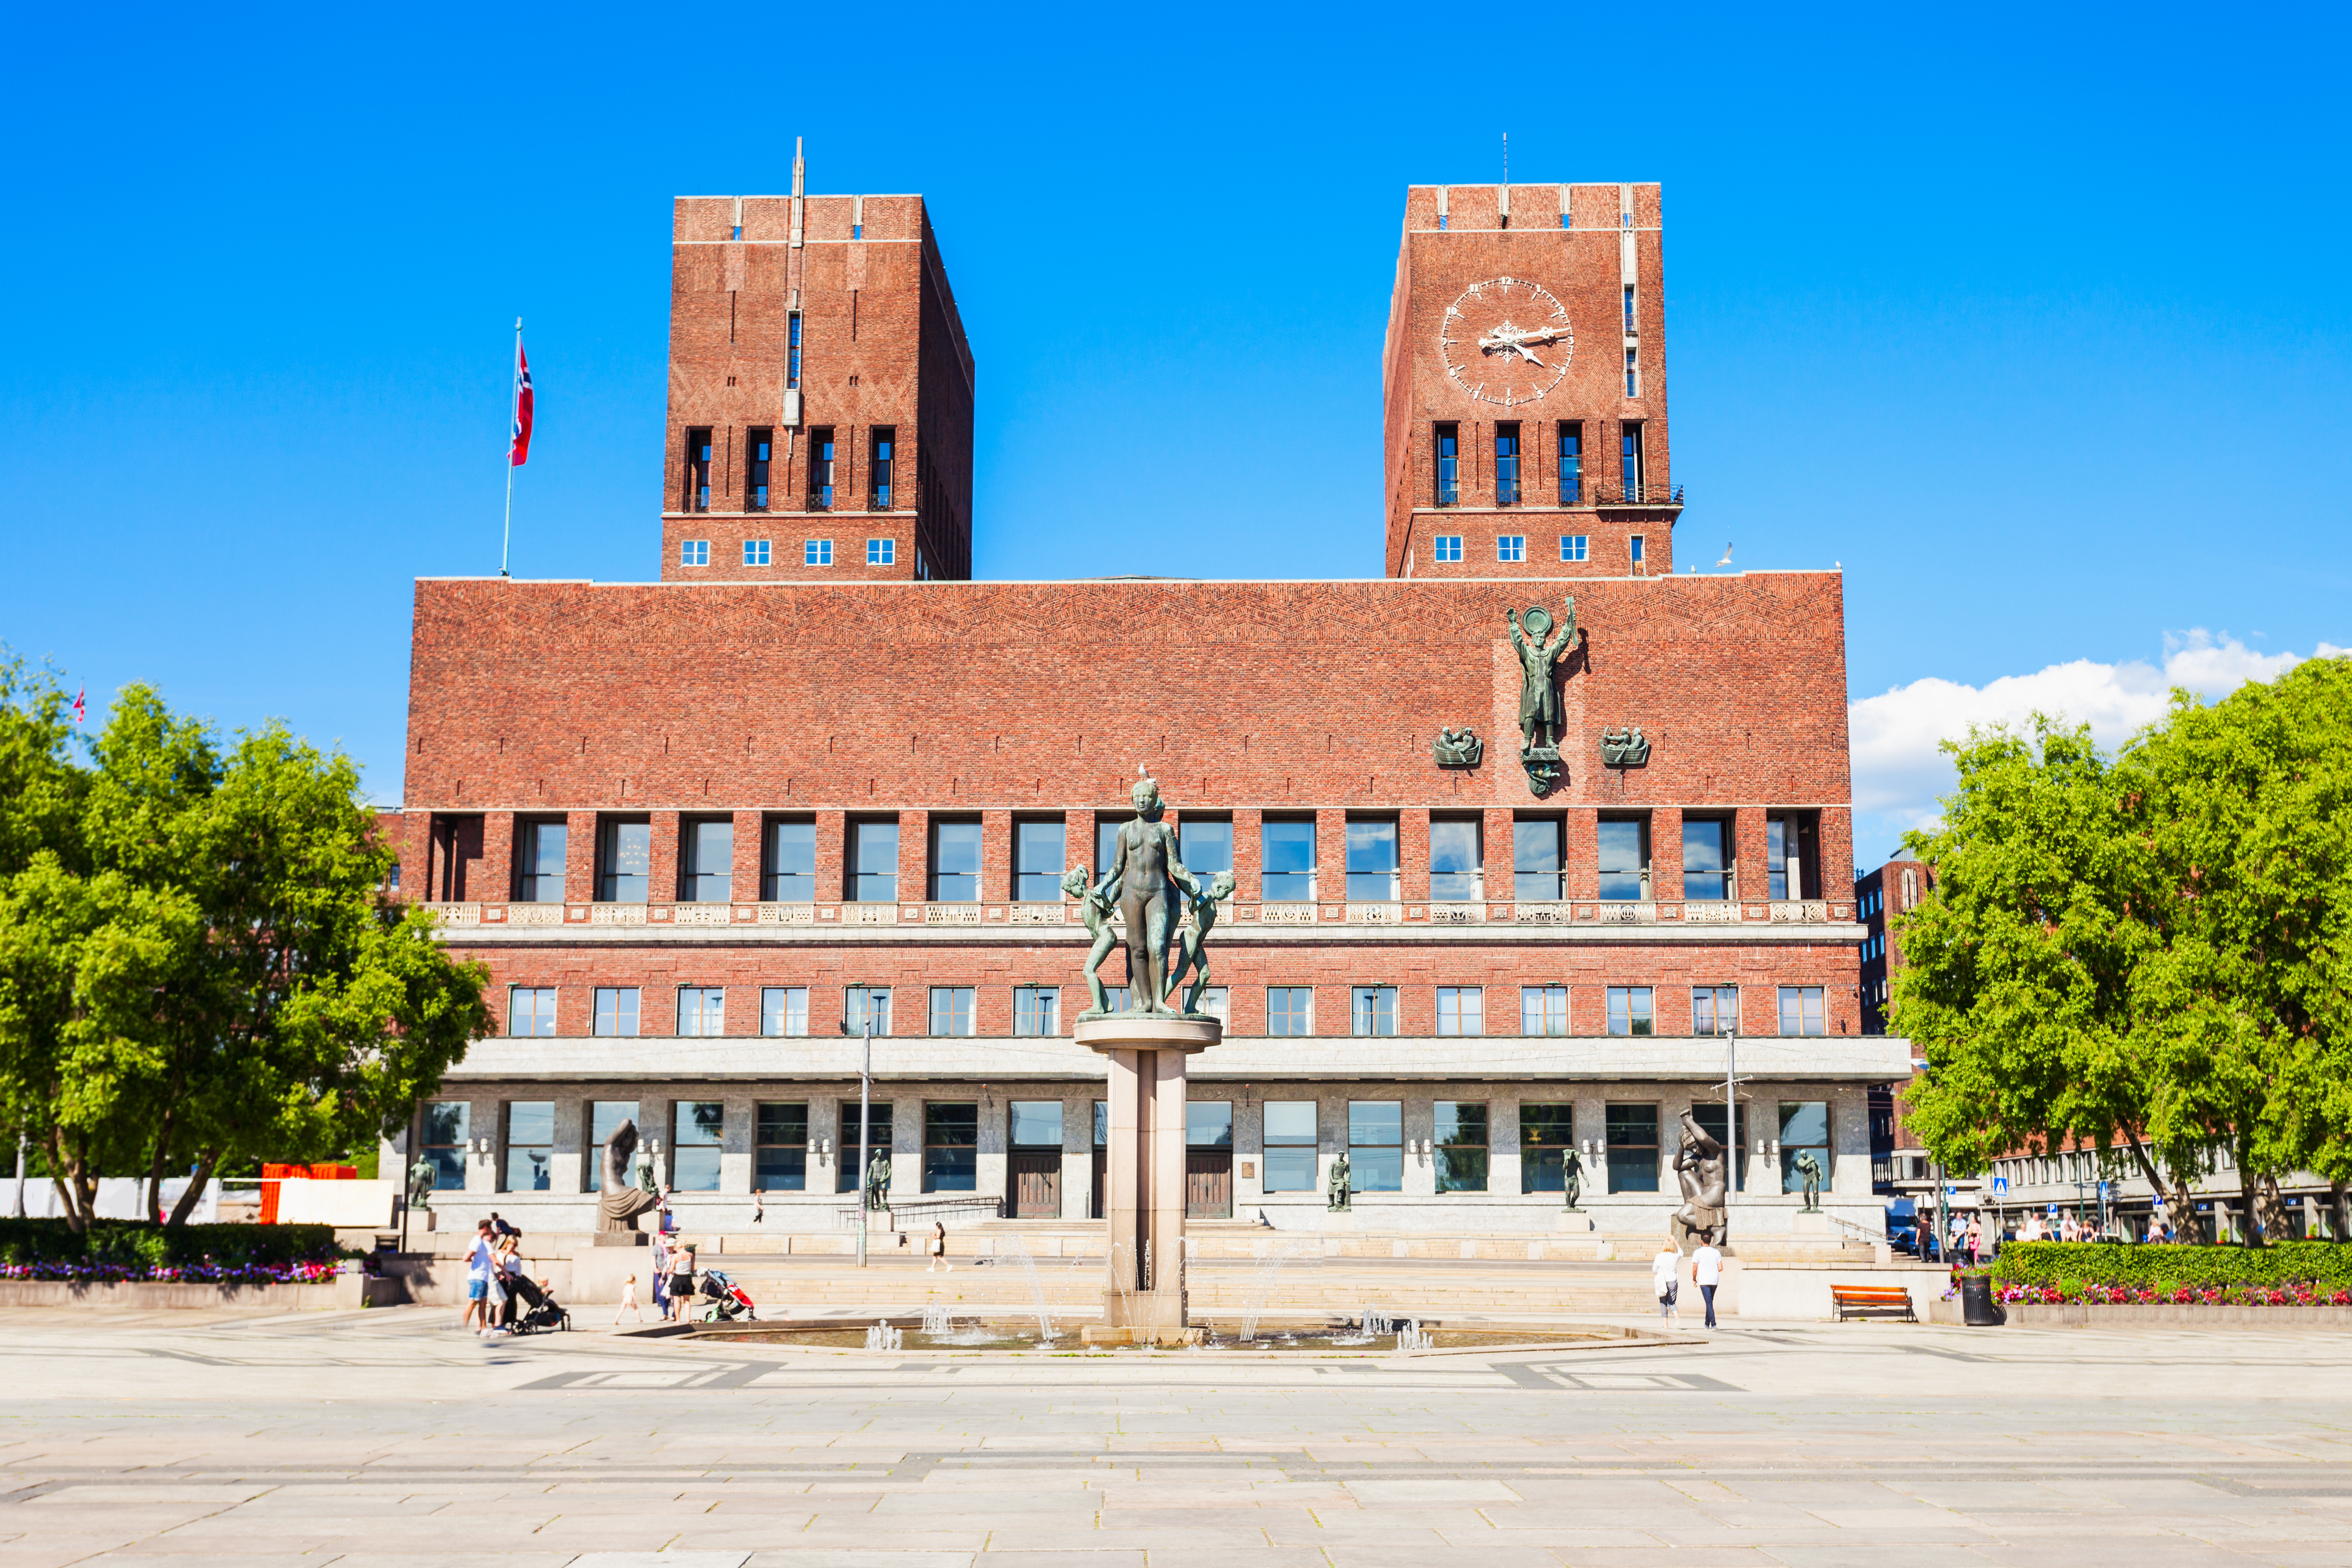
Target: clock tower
<point>1525,384</point>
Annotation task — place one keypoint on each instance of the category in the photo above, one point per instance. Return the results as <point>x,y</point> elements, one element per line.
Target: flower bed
<point>114,1252</point>
<point>2301,1295</point>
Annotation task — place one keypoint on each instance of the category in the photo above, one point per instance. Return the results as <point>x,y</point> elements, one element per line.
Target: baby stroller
<point>727,1299</point>
<point>530,1306</point>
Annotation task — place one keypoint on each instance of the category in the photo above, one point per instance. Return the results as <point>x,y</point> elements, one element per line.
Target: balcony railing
<point>1640,494</point>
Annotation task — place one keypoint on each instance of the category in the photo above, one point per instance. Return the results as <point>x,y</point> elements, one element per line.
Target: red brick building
<point>698,828</point>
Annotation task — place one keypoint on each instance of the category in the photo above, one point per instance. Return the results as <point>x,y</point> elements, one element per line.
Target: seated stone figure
<point>622,1200</point>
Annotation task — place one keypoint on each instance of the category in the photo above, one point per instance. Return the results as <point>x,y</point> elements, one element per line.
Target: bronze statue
<point>622,1199</point>
<point>422,1179</point>
<point>1143,865</point>
<point>877,1180</point>
<point>1341,1188</point>
<point>1539,717</point>
<point>1699,1163</point>
<point>1191,950</point>
<point>1093,908</point>
<point>1571,1176</point>
<point>1811,1168</point>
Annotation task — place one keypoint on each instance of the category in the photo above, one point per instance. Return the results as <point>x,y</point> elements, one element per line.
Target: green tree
<point>198,969</point>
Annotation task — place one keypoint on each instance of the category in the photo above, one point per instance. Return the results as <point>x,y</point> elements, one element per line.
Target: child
<point>629,1301</point>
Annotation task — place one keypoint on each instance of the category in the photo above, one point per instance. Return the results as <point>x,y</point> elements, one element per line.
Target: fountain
<point>1411,1336</point>
<point>1262,1281</point>
<point>883,1336</point>
<point>938,1321</point>
<point>1022,1256</point>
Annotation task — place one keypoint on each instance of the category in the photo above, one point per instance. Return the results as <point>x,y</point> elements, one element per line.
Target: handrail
<point>1854,1225</point>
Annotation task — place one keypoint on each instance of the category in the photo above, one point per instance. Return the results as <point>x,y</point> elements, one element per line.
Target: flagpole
<point>506,540</point>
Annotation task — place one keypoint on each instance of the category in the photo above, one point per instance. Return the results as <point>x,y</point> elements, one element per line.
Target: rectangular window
<point>694,552</point>
<point>790,873</point>
<point>530,1145</point>
<point>846,1164</point>
<point>1507,464</point>
<point>1632,371</point>
<point>701,1012</point>
<point>955,862</point>
<point>1629,309</point>
<point>759,448</point>
<point>625,861</point>
<point>820,471</point>
<point>816,552</point>
<point>1802,1010</point>
<point>859,1002</point>
<point>951,1012</point>
<point>1461,1010</point>
<point>1106,845</point>
<point>1706,859</point>
<point>1038,1011</point>
<point>1708,1114</point>
<point>1038,848</point>
<point>1715,1009</point>
<point>1511,547</point>
<point>1572,466</point>
<point>1372,1010</point>
<point>1805,1130</point>
<point>1547,1132</point>
<point>1290,1010</point>
<point>1794,870</point>
<point>1630,442</point>
<point>1289,861</point>
<point>1461,1140</point>
<point>1446,547</point>
<point>1036,1125</point>
<point>708,875</point>
<point>874,862</point>
<point>1449,464</point>
<point>1372,862</point>
<point>755,552</point>
<point>780,1154</point>
<point>695,1138</point>
<point>1535,859</point>
<point>1633,552</point>
<point>793,352</point>
<point>1543,1010</point>
<point>1289,1146</point>
<point>617,1011</point>
<point>1575,546</point>
<point>1457,861</point>
<point>1376,1145</point>
<point>446,1140</point>
<point>538,862</point>
<point>881,552</point>
<point>950,1147</point>
<point>783,1011</point>
<point>1217,1003</point>
<point>1633,1148</point>
<point>604,1119</point>
<point>530,1010</point>
<point>880,465</point>
<point>1625,857</point>
<point>1205,845</point>
<point>1630,1010</point>
<point>697,469</point>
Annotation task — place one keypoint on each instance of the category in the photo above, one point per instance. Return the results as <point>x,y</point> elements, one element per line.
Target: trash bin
<point>1978,1307</point>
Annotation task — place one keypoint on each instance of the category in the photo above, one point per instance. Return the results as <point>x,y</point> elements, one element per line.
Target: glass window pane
<point>710,861</point>
<point>847,1164</point>
<point>1205,845</point>
<point>1375,1122</point>
<point>700,1122</point>
<point>1622,860</point>
<point>1290,1121</point>
<point>955,862</point>
<point>1289,862</point>
<point>1461,1139</point>
<point>1707,861</point>
<point>1633,1148</point>
<point>1037,851</point>
<point>792,861</point>
<point>874,859</point>
<point>1290,1169</point>
<point>530,1170</point>
<point>1106,845</point>
<point>1536,860</point>
<point>531,1121</point>
<point>604,1119</point>
<point>783,1122</point>
<point>1209,1124</point>
<point>628,862</point>
<point>1037,1123</point>
<point>1454,862</point>
<point>1373,1010</point>
<point>693,1169</point>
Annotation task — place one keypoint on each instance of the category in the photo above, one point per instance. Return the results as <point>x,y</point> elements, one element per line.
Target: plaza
<point>386,1439</point>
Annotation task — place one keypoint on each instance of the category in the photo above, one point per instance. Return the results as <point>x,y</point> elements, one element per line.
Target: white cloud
<point>1898,773</point>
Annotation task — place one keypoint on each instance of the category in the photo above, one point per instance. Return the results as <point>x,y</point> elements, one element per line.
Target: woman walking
<point>938,1247</point>
<point>1663,1269</point>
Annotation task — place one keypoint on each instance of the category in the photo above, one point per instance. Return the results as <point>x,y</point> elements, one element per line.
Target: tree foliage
<point>197,965</point>
<point>2145,953</point>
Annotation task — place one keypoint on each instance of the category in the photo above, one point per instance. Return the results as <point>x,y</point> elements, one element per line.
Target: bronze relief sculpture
<point>1624,748</point>
<point>1458,748</point>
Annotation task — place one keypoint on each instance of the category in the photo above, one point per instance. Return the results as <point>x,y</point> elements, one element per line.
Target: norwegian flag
<point>78,696</point>
<point>519,446</point>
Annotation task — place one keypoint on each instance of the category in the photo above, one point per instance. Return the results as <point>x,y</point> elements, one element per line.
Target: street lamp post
<point>864,1117</point>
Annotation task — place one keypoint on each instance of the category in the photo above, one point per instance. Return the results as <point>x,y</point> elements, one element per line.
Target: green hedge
<point>2164,1266</point>
<point>137,1244</point>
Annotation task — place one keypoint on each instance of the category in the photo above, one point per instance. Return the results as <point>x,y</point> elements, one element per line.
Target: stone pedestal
<point>1143,1167</point>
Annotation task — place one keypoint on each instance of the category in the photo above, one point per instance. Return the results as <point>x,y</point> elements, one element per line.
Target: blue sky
<point>2034,320</point>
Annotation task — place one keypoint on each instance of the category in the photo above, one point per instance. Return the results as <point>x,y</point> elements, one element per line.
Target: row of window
<point>826,458</point>
<point>1447,547</point>
<point>814,552</point>
<point>1288,868</point>
<point>1567,471</point>
<point>1629,1146</point>
<point>1461,1010</point>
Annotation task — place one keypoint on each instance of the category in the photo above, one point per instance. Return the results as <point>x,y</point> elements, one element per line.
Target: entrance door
<point>1208,1184</point>
<point>1036,1184</point>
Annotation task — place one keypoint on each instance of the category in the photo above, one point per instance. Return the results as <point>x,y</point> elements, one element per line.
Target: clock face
<point>1505,341</point>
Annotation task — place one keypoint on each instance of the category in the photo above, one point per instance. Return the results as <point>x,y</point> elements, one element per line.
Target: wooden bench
<point>1872,1300</point>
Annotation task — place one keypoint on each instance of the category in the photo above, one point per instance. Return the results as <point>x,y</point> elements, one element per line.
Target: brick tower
<point>1525,384</point>
<point>820,393</point>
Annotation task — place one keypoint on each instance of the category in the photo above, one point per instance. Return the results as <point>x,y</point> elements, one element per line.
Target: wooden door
<point>1036,1176</point>
<point>1208,1184</point>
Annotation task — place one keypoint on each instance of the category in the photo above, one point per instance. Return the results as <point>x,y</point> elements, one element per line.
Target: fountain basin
<point>1325,1336</point>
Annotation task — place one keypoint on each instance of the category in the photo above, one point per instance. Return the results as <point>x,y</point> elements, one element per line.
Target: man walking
<point>478,1264</point>
<point>1707,1273</point>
